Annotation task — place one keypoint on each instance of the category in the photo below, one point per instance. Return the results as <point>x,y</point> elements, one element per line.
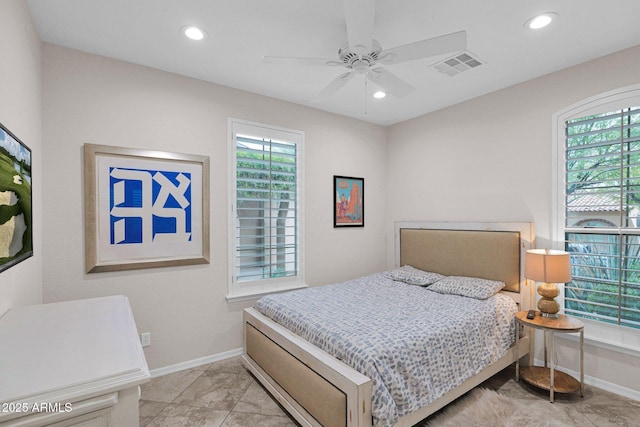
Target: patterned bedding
<point>413,343</point>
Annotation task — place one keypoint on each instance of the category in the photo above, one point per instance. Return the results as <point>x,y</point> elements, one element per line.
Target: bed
<point>318,389</point>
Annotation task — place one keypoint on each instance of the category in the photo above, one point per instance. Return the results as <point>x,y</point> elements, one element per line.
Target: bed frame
<point>319,390</point>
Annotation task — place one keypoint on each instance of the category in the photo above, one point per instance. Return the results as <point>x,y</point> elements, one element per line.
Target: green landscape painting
<point>16,239</point>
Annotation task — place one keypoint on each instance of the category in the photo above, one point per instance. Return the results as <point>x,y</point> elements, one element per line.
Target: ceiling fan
<point>362,54</point>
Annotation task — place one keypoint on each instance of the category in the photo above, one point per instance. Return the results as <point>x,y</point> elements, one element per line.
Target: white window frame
<point>239,291</point>
<point>614,337</point>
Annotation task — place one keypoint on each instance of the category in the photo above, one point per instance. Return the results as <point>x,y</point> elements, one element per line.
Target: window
<point>599,213</point>
<point>266,209</point>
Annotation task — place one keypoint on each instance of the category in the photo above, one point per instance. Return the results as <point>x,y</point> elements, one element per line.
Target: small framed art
<point>16,228</point>
<point>348,203</point>
<point>144,208</point>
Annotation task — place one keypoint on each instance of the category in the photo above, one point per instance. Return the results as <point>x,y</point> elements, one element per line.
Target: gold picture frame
<point>144,208</point>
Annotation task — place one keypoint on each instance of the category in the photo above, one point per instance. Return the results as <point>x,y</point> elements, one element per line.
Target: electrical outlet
<point>145,339</point>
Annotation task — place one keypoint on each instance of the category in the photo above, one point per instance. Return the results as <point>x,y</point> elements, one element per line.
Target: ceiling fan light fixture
<point>379,94</point>
<point>540,21</point>
<point>193,33</point>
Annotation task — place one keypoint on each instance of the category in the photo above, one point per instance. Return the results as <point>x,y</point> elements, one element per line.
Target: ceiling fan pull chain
<point>365,95</point>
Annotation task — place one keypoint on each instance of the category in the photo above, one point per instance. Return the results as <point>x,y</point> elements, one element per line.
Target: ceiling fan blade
<point>335,85</point>
<point>453,42</point>
<point>300,60</point>
<point>390,82</point>
<point>360,16</point>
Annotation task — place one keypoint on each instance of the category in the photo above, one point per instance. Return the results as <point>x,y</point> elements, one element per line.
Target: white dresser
<point>75,363</point>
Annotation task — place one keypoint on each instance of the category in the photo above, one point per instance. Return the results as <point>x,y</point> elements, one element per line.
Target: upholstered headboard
<point>490,250</point>
<point>487,254</point>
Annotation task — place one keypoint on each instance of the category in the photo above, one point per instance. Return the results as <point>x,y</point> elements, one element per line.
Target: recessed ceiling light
<point>194,33</point>
<point>379,94</point>
<point>540,21</point>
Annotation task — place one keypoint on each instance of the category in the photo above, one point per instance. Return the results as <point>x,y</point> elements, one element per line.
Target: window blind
<point>602,209</point>
<point>266,208</point>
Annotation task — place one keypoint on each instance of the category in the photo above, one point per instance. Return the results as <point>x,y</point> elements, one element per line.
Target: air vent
<point>457,64</point>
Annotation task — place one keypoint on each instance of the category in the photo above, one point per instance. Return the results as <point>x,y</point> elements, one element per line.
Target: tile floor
<point>224,394</point>
<point>219,394</point>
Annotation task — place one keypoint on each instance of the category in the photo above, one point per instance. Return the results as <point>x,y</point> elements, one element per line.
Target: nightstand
<point>546,377</point>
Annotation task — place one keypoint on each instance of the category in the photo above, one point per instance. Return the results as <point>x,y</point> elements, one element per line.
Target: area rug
<point>486,408</point>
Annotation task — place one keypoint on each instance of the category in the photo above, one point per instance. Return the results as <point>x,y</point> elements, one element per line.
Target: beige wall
<point>489,159</point>
<point>92,99</point>
<point>20,112</point>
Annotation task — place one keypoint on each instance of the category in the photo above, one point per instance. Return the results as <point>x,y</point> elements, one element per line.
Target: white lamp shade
<point>548,265</point>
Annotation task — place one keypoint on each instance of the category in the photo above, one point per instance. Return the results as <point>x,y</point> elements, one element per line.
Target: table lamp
<point>548,266</point>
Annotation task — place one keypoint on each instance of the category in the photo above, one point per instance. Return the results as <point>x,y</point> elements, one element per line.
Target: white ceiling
<point>242,32</point>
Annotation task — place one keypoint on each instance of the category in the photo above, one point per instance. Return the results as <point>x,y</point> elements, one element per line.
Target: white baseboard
<point>601,384</point>
<point>592,381</point>
<point>195,363</point>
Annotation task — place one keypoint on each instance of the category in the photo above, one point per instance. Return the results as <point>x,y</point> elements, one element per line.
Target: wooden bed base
<point>317,389</point>
<point>323,391</point>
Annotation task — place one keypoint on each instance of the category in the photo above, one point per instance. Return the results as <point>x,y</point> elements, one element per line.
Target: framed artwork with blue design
<point>144,209</point>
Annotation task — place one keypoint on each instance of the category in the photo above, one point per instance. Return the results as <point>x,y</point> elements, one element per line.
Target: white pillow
<point>413,276</point>
<point>472,287</point>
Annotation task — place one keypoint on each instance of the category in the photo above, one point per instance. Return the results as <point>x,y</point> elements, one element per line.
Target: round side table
<point>547,377</point>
